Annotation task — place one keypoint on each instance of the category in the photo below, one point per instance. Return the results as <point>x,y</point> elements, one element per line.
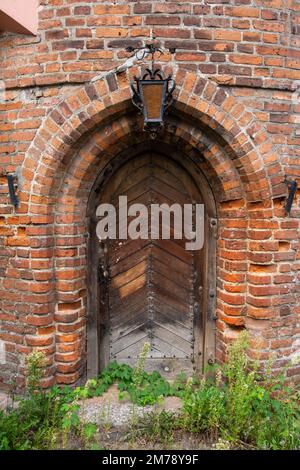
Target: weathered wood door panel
<point>151,293</point>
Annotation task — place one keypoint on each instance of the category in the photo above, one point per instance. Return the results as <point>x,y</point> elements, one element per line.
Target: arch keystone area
<point>95,104</point>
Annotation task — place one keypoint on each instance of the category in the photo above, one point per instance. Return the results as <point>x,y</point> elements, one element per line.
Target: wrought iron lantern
<point>152,94</point>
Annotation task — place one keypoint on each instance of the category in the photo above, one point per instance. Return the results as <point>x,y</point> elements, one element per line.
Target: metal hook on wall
<point>292,188</point>
<point>12,181</point>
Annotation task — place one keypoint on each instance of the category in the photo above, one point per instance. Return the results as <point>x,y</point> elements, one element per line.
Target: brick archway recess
<point>85,131</point>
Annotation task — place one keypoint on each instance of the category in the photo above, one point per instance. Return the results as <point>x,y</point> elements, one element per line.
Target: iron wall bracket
<point>12,181</point>
<point>292,188</point>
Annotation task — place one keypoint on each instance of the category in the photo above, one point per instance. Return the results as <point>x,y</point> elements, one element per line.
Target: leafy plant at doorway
<point>243,407</point>
<point>141,387</point>
<point>232,406</point>
<point>144,389</point>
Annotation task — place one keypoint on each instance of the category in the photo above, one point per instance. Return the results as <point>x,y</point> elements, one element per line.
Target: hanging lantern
<point>152,95</point>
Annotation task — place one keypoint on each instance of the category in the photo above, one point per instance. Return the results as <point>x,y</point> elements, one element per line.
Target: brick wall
<point>245,57</point>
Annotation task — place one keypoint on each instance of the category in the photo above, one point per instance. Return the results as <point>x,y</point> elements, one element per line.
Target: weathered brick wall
<point>250,49</point>
<point>247,42</point>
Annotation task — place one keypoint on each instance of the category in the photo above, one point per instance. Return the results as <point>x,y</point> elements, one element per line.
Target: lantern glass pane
<point>153,100</point>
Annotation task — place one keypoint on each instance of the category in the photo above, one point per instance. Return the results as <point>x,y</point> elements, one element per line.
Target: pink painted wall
<point>19,16</point>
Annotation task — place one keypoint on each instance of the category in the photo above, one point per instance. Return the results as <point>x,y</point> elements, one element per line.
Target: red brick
<point>82,10</point>
<point>243,12</point>
<point>162,20</point>
<point>172,33</point>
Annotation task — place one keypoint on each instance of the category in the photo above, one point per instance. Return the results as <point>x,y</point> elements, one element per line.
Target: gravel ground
<point>114,417</point>
<point>109,410</point>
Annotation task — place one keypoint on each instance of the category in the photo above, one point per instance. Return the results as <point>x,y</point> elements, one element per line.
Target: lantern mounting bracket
<point>150,48</point>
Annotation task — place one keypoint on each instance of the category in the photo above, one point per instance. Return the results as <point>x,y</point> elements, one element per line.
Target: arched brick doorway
<point>80,138</point>
<point>152,290</point>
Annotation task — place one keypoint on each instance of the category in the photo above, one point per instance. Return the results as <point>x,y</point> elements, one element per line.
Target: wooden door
<point>150,289</point>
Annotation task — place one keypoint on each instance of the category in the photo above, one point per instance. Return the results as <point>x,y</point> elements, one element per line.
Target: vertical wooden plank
<point>93,319</point>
